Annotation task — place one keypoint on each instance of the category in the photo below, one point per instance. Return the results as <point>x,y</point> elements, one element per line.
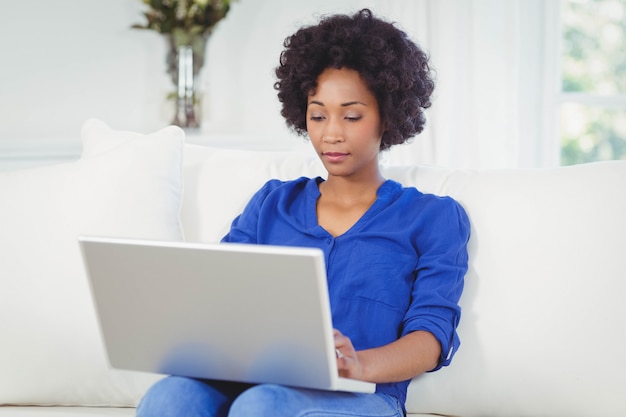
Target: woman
<point>395,257</point>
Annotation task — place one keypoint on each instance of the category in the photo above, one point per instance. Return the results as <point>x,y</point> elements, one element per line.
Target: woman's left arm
<point>407,357</point>
<point>429,338</point>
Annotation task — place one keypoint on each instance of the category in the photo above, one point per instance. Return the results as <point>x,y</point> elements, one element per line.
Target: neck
<point>349,188</point>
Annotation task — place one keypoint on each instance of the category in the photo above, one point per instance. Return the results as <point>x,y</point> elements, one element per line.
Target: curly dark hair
<point>394,68</point>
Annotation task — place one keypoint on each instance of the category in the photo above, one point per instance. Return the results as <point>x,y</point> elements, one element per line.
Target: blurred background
<point>520,83</point>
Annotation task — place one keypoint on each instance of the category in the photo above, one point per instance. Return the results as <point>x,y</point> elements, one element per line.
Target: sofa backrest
<point>543,304</point>
<point>219,182</point>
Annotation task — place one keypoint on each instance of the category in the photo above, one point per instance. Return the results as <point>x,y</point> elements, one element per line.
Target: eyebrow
<point>346,104</point>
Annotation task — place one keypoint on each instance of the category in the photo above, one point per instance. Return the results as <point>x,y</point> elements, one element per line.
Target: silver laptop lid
<point>250,313</point>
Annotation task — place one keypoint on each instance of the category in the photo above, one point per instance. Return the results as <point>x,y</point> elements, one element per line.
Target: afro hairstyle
<point>394,68</point>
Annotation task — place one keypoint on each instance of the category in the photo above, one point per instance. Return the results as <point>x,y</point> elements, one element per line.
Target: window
<point>593,87</point>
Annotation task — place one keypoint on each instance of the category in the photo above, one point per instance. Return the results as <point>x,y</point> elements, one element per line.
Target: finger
<point>340,339</point>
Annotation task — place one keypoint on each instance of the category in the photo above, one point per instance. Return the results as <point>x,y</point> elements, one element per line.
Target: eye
<point>316,118</point>
<point>353,118</point>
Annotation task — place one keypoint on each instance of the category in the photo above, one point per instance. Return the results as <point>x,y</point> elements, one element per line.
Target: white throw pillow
<point>543,305</point>
<point>219,182</point>
<point>125,184</point>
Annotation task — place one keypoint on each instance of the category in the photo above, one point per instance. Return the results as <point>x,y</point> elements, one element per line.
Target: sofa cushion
<point>34,411</point>
<point>125,184</point>
<point>219,182</point>
<point>543,306</point>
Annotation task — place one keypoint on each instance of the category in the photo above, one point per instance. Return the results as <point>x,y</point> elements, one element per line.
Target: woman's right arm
<point>244,228</point>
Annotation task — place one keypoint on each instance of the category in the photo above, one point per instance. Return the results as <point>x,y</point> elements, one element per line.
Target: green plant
<point>184,19</point>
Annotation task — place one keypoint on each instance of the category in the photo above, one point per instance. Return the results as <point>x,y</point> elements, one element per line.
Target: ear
<point>383,127</point>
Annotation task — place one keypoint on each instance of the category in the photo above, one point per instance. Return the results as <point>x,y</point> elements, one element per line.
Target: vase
<point>185,59</point>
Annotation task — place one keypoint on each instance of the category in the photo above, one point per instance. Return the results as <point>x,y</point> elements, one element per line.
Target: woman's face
<point>343,123</point>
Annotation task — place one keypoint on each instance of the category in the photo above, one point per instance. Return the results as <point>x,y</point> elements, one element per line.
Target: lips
<point>335,156</point>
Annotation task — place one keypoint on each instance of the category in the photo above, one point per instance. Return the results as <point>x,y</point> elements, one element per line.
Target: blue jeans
<point>186,397</point>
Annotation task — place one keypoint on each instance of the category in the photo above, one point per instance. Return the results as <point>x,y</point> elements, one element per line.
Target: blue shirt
<point>398,269</point>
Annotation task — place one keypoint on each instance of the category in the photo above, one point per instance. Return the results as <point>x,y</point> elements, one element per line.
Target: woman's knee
<point>266,400</point>
<point>269,400</point>
<point>178,396</point>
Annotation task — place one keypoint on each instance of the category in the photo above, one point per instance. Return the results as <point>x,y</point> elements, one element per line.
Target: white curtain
<point>494,104</point>
<point>497,82</point>
<point>495,60</point>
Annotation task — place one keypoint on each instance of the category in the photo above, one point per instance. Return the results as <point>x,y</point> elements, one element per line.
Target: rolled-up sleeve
<point>441,267</point>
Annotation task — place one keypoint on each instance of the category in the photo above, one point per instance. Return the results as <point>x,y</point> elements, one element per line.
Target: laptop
<point>234,312</point>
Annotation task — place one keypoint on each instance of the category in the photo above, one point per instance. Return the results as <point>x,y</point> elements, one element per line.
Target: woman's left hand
<point>411,355</point>
<point>348,363</point>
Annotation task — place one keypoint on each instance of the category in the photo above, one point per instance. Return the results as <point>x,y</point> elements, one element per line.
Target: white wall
<point>68,60</point>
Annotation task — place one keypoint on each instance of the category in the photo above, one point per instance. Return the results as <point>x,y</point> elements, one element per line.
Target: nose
<point>333,132</point>
<point>332,139</point>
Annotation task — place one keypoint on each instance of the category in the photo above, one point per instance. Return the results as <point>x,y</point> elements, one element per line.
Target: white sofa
<point>543,310</point>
